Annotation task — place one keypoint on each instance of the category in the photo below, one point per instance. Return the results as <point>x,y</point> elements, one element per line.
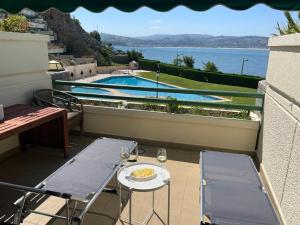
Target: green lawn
<point>186,83</point>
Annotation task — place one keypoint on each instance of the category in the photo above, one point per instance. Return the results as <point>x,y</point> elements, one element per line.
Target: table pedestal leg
<point>169,192</point>
<point>153,201</point>
<point>120,198</point>
<point>148,218</point>
<point>130,207</point>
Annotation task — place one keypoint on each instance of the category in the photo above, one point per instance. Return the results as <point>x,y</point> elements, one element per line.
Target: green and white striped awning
<point>14,6</point>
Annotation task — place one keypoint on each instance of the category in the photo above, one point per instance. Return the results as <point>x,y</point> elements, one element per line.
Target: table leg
<point>53,133</point>
<point>66,134</point>
<point>120,198</point>
<point>23,142</point>
<point>130,207</point>
<point>153,201</point>
<point>169,193</point>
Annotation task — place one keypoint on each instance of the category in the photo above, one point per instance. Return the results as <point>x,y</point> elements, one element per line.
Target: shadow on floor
<point>30,168</point>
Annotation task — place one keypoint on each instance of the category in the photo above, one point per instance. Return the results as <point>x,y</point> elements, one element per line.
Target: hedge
<point>121,59</point>
<point>147,64</point>
<point>200,75</point>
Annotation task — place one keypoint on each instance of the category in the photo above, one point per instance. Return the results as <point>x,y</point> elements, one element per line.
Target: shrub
<point>96,35</point>
<point>134,55</point>
<point>189,61</point>
<point>147,64</point>
<point>178,61</point>
<point>173,106</point>
<point>210,67</point>
<point>14,23</point>
<point>202,76</point>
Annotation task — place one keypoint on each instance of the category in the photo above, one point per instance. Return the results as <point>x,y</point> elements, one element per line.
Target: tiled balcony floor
<point>31,167</point>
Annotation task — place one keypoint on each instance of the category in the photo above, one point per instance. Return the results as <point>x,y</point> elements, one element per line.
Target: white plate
<point>161,179</point>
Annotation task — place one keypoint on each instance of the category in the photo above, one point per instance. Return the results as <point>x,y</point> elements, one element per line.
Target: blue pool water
<point>90,90</point>
<point>136,81</point>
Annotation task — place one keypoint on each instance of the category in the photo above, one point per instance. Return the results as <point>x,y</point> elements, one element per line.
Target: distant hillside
<point>187,40</point>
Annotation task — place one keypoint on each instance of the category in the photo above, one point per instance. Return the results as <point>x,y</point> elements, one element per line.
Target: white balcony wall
<point>197,132</point>
<point>279,150</point>
<point>23,67</point>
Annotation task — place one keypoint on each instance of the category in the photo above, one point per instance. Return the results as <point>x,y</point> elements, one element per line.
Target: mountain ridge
<point>187,40</point>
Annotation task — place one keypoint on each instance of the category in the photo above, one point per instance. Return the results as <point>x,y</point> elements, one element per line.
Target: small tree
<point>178,61</point>
<point>76,21</point>
<point>14,23</point>
<point>210,67</point>
<point>134,55</point>
<point>96,35</point>
<point>189,61</point>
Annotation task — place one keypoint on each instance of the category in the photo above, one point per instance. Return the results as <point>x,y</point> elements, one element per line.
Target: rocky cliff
<point>77,41</point>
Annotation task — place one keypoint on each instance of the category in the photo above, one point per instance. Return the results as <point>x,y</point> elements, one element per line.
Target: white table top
<point>162,178</point>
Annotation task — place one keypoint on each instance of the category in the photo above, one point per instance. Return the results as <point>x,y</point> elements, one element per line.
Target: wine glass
<point>125,154</point>
<point>162,156</point>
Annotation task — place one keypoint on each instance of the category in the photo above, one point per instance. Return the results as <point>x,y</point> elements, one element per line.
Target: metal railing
<point>225,105</point>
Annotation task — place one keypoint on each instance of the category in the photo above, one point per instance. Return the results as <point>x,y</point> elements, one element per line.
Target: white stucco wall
<point>23,67</point>
<point>212,132</point>
<point>85,68</point>
<point>279,150</point>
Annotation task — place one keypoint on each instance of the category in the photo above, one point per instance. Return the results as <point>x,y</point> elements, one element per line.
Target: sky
<point>219,20</point>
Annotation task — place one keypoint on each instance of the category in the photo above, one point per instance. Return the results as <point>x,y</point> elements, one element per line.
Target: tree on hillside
<point>291,27</point>
<point>210,66</point>
<point>96,35</point>
<point>134,55</point>
<point>189,61</point>
<point>75,20</point>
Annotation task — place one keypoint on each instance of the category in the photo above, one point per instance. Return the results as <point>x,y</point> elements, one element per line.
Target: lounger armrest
<point>34,190</point>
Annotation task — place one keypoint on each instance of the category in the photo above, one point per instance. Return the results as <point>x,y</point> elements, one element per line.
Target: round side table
<point>161,180</point>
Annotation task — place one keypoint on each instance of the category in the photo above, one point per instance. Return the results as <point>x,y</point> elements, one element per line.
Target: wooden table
<point>36,125</point>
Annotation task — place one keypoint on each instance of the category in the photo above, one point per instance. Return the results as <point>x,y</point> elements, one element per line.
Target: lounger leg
<point>68,212</point>
<point>18,218</point>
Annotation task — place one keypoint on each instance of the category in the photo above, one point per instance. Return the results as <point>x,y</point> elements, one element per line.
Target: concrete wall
<point>279,150</point>
<point>87,70</point>
<point>220,133</point>
<point>110,69</point>
<point>23,66</point>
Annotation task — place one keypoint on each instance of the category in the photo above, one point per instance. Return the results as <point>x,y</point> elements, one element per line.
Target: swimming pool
<point>141,82</point>
<point>90,90</point>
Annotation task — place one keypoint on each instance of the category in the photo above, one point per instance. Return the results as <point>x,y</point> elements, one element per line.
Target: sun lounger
<point>81,179</point>
<point>231,191</point>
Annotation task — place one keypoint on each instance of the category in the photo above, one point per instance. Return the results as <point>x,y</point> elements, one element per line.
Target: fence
<point>225,105</point>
